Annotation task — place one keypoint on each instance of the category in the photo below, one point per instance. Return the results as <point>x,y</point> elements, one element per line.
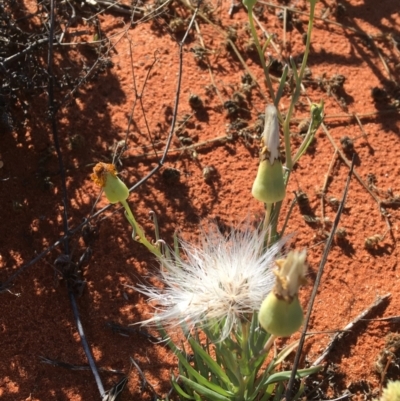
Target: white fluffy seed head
<point>223,280</point>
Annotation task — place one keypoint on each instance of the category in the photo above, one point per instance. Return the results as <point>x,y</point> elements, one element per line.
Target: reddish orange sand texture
<point>39,322</point>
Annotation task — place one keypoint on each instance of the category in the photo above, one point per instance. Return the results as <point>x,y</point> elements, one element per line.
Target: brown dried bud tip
<point>100,171</point>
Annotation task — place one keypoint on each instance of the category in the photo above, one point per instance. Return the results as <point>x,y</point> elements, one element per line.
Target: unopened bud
<point>281,313</point>
<point>269,186</point>
<point>279,317</point>
<point>105,175</point>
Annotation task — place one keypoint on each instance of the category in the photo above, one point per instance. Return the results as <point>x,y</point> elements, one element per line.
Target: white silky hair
<point>223,280</point>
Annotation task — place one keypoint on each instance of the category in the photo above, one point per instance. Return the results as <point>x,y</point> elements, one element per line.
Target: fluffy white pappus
<point>222,280</point>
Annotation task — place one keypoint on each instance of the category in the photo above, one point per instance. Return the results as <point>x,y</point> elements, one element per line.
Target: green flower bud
<point>281,313</point>
<point>105,175</point>
<point>279,317</point>
<point>269,186</point>
<point>317,114</point>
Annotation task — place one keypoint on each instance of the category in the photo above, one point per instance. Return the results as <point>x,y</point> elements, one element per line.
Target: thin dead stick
<point>267,35</point>
<point>383,61</point>
<point>32,46</point>
<point>349,327</point>
<point>223,139</point>
<point>145,383</point>
<point>208,63</point>
<point>233,47</point>
<point>324,187</point>
<point>391,319</point>
<point>353,116</point>
<point>70,366</point>
<point>359,179</point>
<point>346,395</point>
<point>364,134</point>
<point>154,13</point>
<point>328,244</point>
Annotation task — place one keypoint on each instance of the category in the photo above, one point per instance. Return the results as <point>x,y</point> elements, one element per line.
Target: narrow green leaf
<point>300,391</point>
<point>196,396</point>
<point>199,363</point>
<point>282,83</point>
<point>268,392</point>
<point>317,116</point>
<point>285,353</point>
<point>199,378</point>
<point>278,392</point>
<point>211,364</point>
<point>282,376</point>
<point>179,390</point>
<point>206,392</point>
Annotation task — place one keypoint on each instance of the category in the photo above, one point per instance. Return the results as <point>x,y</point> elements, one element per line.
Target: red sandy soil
<point>359,40</point>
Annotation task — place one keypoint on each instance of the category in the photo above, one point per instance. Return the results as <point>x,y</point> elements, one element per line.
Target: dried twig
<point>339,335</point>
<point>359,179</point>
<point>328,244</point>
<point>325,186</point>
<point>70,366</point>
<point>126,331</point>
<point>145,383</point>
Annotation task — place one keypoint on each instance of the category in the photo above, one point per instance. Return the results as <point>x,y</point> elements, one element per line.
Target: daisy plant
<point>232,296</point>
<point>213,293</point>
<point>229,303</point>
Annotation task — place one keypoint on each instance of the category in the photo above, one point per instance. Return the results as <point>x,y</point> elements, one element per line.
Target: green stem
<point>138,231</point>
<point>260,53</point>
<point>245,374</point>
<point>267,223</point>
<point>308,42</point>
<point>274,223</point>
<point>274,220</point>
<point>286,131</point>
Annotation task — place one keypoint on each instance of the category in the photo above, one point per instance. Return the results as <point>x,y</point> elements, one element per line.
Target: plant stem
<point>138,231</point>
<point>274,223</point>
<point>286,131</point>
<point>267,223</point>
<point>245,374</point>
<point>260,54</point>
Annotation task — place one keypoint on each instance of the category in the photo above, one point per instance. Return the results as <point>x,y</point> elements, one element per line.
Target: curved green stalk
<point>139,232</point>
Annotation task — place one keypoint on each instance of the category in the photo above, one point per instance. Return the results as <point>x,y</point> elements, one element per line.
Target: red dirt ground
<point>357,39</point>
